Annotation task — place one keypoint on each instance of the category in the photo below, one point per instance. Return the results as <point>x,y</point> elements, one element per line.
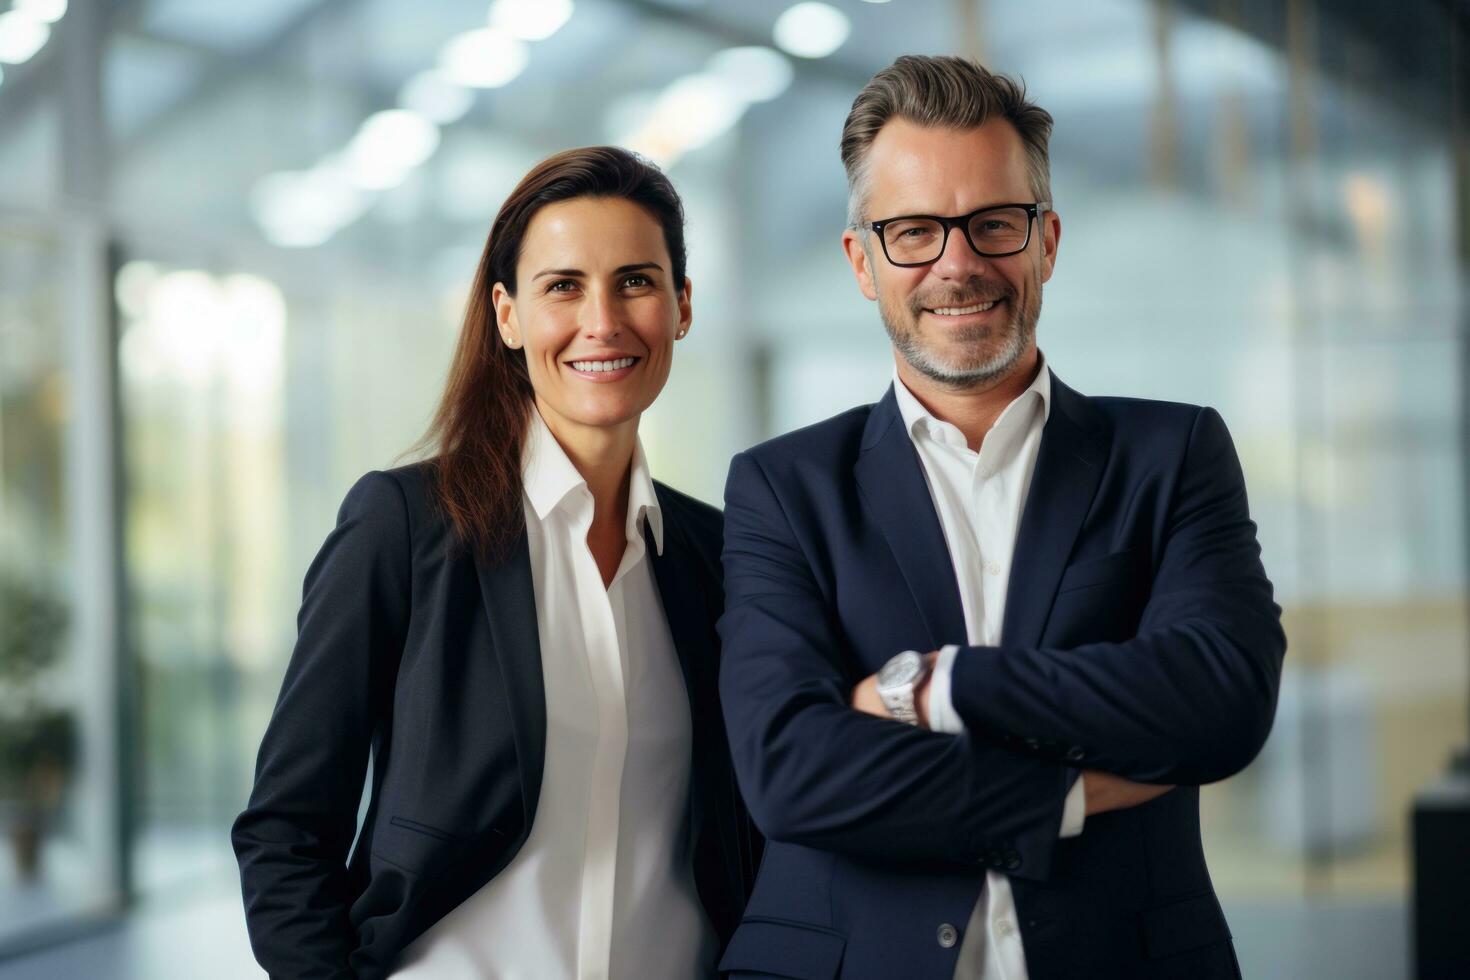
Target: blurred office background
<point>235,243</point>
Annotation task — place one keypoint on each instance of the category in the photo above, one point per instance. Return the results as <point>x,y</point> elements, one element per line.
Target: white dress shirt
<point>604,885</point>
<point>979,497</point>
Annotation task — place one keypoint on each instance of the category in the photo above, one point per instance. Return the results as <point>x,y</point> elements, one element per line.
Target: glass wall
<point>54,771</point>
<point>290,197</point>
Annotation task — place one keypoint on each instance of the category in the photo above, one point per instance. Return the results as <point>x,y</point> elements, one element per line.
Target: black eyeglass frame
<point>1034,211</point>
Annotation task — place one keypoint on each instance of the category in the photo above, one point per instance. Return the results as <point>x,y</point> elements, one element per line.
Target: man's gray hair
<point>956,93</point>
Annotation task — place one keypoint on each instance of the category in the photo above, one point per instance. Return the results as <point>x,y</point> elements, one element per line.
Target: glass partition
<point>54,854</point>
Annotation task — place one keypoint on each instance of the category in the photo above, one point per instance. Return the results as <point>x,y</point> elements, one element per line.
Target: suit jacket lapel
<point>1069,465</point>
<point>510,604</point>
<point>891,480</point>
<point>713,804</point>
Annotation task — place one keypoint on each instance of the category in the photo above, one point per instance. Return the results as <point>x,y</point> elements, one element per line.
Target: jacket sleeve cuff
<point>942,716</point>
<point>1074,810</point>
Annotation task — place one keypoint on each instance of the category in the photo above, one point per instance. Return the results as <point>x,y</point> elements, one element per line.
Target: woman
<point>522,630</point>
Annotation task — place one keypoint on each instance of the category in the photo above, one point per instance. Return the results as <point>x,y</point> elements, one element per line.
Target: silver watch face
<point>902,669</point>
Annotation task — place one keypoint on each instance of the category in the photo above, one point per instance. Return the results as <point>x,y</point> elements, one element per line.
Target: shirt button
<point>948,936</point>
<point>1005,927</point>
<point>993,568</point>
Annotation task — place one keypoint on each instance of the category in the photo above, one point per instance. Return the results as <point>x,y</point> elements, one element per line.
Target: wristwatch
<point>897,681</point>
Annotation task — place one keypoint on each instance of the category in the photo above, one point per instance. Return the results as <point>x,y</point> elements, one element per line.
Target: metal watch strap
<point>899,699</point>
<point>900,705</point>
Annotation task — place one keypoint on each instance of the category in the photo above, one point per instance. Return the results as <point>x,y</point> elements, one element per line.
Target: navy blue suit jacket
<point>412,646</point>
<point>1140,638</point>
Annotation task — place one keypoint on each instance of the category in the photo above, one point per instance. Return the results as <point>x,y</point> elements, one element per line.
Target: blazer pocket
<point>785,949</point>
<point>1183,925</point>
<point>423,828</point>
<point>413,846</point>
<point>1119,565</point>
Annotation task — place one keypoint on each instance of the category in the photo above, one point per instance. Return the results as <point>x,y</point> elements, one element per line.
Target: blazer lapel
<point>684,605</point>
<point>676,574</point>
<point>713,803</point>
<point>510,604</point>
<point>891,480</point>
<point>1069,465</point>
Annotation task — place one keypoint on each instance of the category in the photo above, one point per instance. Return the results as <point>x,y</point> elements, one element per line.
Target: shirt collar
<point>915,416</point>
<point>643,500</point>
<point>549,478</point>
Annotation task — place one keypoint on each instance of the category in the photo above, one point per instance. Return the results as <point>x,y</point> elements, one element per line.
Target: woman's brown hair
<point>479,429</point>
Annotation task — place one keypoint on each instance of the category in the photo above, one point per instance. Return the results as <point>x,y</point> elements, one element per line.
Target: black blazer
<point>409,645</point>
<point>1140,638</point>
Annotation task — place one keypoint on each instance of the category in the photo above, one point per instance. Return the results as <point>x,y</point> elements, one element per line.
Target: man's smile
<point>961,310</point>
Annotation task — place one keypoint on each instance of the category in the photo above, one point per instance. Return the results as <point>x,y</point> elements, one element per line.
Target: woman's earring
<point>680,334</point>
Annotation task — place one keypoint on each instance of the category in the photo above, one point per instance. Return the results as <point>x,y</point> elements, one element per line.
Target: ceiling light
<point>46,11</point>
<point>686,115</point>
<point>486,58</point>
<point>387,146</point>
<point>21,36</point>
<point>701,107</point>
<point>299,209</point>
<point>756,74</point>
<point>530,20</point>
<point>435,97</point>
<point>811,30</point>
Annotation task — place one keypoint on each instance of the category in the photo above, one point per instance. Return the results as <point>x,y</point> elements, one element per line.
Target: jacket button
<point>1013,862</point>
<point>1075,754</point>
<point>948,936</point>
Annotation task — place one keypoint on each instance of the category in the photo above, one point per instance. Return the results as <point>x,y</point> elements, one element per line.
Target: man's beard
<point>990,352</point>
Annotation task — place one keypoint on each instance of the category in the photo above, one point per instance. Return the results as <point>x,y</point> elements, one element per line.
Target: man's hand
<point>1105,792</point>
<point>865,695</point>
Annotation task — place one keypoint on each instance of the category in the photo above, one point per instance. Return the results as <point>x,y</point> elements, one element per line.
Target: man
<point>1061,598</point>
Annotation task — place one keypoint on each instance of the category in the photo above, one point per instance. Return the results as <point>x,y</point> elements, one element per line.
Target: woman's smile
<point>603,369</point>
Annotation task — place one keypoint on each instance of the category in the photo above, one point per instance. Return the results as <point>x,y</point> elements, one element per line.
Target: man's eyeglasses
<point>994,231</point>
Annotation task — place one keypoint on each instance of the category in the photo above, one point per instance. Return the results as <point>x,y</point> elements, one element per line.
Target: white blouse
<point>604,885</point>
